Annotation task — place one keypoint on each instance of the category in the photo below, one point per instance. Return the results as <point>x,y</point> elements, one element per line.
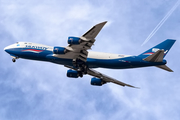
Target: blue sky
<point>32,90</point>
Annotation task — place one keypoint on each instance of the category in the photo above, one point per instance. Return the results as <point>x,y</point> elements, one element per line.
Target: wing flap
<point>82,58</point>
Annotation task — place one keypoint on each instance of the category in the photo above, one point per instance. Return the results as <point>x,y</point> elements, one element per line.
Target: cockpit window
<point>17,42</point>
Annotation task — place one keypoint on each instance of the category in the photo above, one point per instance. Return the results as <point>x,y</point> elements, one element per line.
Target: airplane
<point>80,61</point>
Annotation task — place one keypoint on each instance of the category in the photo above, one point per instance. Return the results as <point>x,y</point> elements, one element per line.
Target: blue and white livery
<point>81,61</point>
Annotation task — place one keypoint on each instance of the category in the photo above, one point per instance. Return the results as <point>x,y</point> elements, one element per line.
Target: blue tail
<point>165,45</point>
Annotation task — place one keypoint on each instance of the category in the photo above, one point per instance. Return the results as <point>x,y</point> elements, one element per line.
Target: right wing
<point>106,78</point>
<point>103,77</point>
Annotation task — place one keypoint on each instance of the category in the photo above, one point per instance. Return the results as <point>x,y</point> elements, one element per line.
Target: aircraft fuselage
<point>34,51</point>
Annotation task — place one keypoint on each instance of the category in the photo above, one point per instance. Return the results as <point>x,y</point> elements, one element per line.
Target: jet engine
<point>97,81</point>
<point>74,40</point>
<point>72,73</point>
<point>59,50</point>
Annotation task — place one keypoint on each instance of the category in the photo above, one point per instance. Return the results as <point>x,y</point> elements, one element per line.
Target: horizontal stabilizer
<point>164,67</point>
<point>156,57</point>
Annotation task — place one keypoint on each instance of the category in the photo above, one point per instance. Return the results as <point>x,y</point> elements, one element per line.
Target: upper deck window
<point>121,55</point>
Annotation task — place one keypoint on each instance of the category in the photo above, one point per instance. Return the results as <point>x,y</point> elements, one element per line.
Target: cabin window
<point>121,55</point>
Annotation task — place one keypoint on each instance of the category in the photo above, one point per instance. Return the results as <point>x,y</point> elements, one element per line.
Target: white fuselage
<point>91,54</point>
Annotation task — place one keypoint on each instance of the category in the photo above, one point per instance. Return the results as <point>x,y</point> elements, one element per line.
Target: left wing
<point>78,46</point>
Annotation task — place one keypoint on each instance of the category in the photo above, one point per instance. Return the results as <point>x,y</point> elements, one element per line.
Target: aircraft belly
<point>121,63</point>
<point>113,63</point>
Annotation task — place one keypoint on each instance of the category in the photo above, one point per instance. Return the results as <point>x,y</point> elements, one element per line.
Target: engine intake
<point>74,40</point>
<point>72,73</point>
<point>59,50</point>
<point>97,81</point>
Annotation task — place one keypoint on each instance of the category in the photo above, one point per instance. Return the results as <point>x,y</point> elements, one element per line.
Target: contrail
<point>161,22</point>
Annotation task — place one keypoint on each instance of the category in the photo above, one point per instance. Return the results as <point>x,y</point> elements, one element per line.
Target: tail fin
<point>165,45</point>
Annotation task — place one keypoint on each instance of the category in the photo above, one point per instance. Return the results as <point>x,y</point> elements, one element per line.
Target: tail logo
<point>154,50</point>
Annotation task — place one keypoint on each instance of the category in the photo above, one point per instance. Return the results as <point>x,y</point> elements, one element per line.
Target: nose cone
<point>13,50</point>
<point>8,49</point>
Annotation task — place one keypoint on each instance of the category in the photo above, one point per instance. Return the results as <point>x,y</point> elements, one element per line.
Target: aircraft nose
<point>7,49</point>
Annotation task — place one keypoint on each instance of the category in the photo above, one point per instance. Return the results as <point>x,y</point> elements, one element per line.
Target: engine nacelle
<point>72,73</point>
<point>97,81</point>
<point>74,40</point>
<point>59,50</point>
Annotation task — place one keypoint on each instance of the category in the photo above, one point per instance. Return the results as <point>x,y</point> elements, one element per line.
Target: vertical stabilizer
<point>165,45</point>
